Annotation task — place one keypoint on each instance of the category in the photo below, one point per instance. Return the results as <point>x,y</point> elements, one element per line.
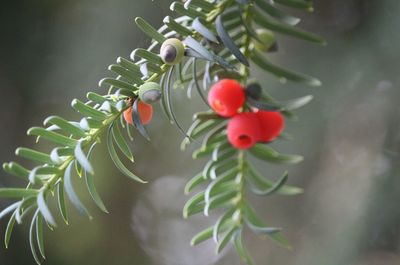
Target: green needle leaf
<point>266,153</point>
<point>200,49</point>
<point>65,125</point>
<point>297,103</point>
<point>82,159</point>
<point>225,240</point>
<point>264,184</point>
<point>117,83</point>
<point>202,236</point>
<point>276,13</point>
<point>17,170</point>
<point>52,136</point>
<point>42,170</point>
<point>229,175</point>
<point>263,230</point>
<point>241,250</point>
<point>117,161</point>
<point>282,73</point>
<point>190,12</point>
<point>145,54</point>
<point>61,201</point>
<point>71,192</point>
<point>9,209</point>
<point>301,4</point>
<point>194,205</point>
<point>229,43</point>
<point>194,182</point>
<point>91,187</point>
<point>9,229</point>
<point>175,26</point>
<point>221,221</point>
<point>87,110</point>
<point>220,199</point>
<point>131,76</point>
<point>96,98</point>
<point>252,218</point>
<point>276,187</point>
<point>17,193</point>
<point>204,31</point>
<point>149,30</point>
<point>44,210</point>
<point>196,82</point>
<point>203,4</point>
<point>121,142</point>
<point>39,235</point>
<point>32,238</point>
<point>170,109</point>
<point>263,21</point>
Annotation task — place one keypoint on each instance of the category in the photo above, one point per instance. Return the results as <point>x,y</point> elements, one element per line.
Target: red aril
<point>145,113</point>
<point>226,97</point>
<point>272,124</point>
<point>244,130</point>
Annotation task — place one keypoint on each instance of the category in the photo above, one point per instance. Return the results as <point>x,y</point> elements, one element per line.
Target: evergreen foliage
<point>222,40</point>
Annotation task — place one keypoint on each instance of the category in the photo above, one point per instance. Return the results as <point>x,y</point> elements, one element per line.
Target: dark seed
<point>254,91</point>
<point>169,54</point>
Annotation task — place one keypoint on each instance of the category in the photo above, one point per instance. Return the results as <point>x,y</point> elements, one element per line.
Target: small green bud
<point>150,92</point>
<point>172,51</point>
<point>267,39</point>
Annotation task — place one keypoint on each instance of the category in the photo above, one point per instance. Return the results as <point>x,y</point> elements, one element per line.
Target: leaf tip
<point>315,82</point>
<point>74,102</point>
<point>138,20</point>
<point>101,82</point>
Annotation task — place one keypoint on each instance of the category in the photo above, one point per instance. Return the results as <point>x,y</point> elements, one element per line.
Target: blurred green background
<point>52,51</point>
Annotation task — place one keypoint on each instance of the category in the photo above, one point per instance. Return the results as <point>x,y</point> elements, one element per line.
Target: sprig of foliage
<point>221,39</point>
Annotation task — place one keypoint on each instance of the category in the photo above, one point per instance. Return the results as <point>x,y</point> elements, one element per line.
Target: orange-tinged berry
<point>145,113</point>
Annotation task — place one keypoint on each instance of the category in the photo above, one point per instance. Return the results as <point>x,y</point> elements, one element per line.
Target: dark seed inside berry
<point>169,53</point>
<point>254,91</point>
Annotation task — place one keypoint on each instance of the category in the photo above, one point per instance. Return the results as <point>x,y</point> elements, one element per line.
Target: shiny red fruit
<point>145,113</point>
<point>226,97</point>
<point>244,130</point>
<point>272,124</point>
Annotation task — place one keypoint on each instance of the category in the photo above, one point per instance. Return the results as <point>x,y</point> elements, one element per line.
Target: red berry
<point>226,97</point>
<point>272,124</point>
<point>244,130</point>
<point>145,113</point>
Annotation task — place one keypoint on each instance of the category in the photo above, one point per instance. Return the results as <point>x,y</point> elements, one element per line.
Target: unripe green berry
<point>172,51</point>
<point>150,92</point>
<point>267,40</point>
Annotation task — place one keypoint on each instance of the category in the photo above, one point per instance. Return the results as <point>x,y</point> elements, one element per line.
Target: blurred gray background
<point>52,51</point>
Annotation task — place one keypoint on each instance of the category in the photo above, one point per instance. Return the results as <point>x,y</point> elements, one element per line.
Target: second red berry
<point>272,124</point>
<point>244,130</point>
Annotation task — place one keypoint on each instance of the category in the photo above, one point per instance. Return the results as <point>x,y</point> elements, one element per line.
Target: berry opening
<point>245,140</point>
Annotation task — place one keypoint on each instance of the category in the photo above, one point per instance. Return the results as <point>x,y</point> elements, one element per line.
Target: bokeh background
<point>52,51</point>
